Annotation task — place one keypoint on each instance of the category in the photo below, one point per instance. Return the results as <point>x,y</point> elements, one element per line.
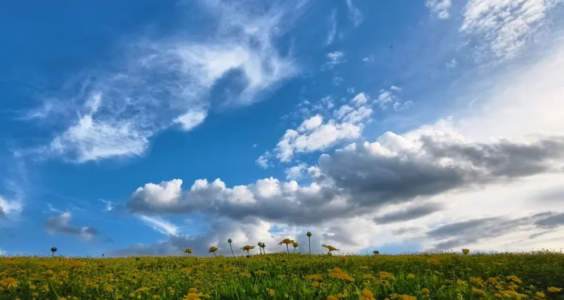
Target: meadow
<point>287,276</point>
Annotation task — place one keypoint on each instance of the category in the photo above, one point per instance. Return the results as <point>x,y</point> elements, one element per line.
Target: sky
<point>146,127</point>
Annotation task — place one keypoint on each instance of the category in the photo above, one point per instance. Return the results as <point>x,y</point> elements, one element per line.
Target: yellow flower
<point>410,276</point>
<point>32,287</point>
<point>316,277</point>
<point>433,261</point>
<point>554,289</point>
<point>330,248</point>
<point>247,248</point>
<point>408,297</point>
<point>315,284</point>
<point>479,292</point>
<point>331,297</point>
<point>10,282</point>
<point>192,296</point>
<point>271,293</point>
<point>385,275</point>
<point>108,288</point>
<point>212,249</point>
<point>367,295</point>
<point>286,241</point>
<point>541,295</point>
<point>513,278</point>
<point>425,291</point>
<point>465,251</point>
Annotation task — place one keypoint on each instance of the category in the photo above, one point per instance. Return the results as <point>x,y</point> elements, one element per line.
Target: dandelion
<point>248,248</point>
<point>287,242</point>
<point>331,297</point>
<point>375,252</point>
<point>367,295</point>
<point>53,250</point>
<point>411,276</point>
<point>433,261</point>
<point>541,295</point>
<point>271,293</point>
<point>330,248</point>
<point>188,251</point>
<point>213,249</point>
<point>260,247</point>
<point>10,282</point>
<point>465,251</point>
<point>295,245</point>
<point>309,241</point>
<point>229,241</point>
<point>425,291</point>
<point>554,289</point>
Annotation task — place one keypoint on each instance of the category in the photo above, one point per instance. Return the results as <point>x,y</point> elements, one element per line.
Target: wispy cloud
<point>332,28</point>
<point>355,15</point>
<point>160,225</point>
<point>168,81</point>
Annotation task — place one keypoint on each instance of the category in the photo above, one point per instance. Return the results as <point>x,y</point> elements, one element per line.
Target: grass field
<point>286,276</point>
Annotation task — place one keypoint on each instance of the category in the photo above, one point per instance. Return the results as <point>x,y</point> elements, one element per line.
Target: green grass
<point>283,276</point>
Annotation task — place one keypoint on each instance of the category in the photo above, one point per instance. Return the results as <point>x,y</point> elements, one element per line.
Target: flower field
<point>287,276</point>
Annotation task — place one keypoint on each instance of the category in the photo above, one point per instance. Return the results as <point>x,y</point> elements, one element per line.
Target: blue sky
<point>144,127</point>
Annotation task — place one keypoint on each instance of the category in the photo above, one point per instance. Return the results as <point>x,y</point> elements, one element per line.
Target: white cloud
<point>9,207</point>
<point>459,170</point>
<point>334,58</point>
<point>332,28</point>
<point>263,160</point>
<point>354,14</point>
<point>440,7</point>
<point>296,172</point>
<point>503,27</point>
<point>160,225</point>
<point>169,81</point>
<point>192,119</point>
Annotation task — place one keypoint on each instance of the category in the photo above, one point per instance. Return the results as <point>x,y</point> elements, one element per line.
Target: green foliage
<point>287,276</point>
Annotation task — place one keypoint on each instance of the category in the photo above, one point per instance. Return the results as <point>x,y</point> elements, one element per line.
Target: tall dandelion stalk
<point>229,241</point>
<point>309,241</point>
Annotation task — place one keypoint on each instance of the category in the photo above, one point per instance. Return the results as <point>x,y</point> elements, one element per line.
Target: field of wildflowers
<point>286,276</point>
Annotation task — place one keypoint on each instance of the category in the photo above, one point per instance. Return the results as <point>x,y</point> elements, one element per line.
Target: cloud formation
<point>471,231</point>
<point>503,27</point>
<point>168,82</point>
<point>60,225</point>
<point>361,177</point>
<point>439,7</point>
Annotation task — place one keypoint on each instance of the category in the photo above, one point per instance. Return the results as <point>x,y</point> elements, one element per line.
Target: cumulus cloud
<point>503,27</point>
<point>361,177</point>
<point>439,7</point>
<point>169,81</point>
<point>317,133</point>
<point>60,225</point>
<point>296,172</point>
